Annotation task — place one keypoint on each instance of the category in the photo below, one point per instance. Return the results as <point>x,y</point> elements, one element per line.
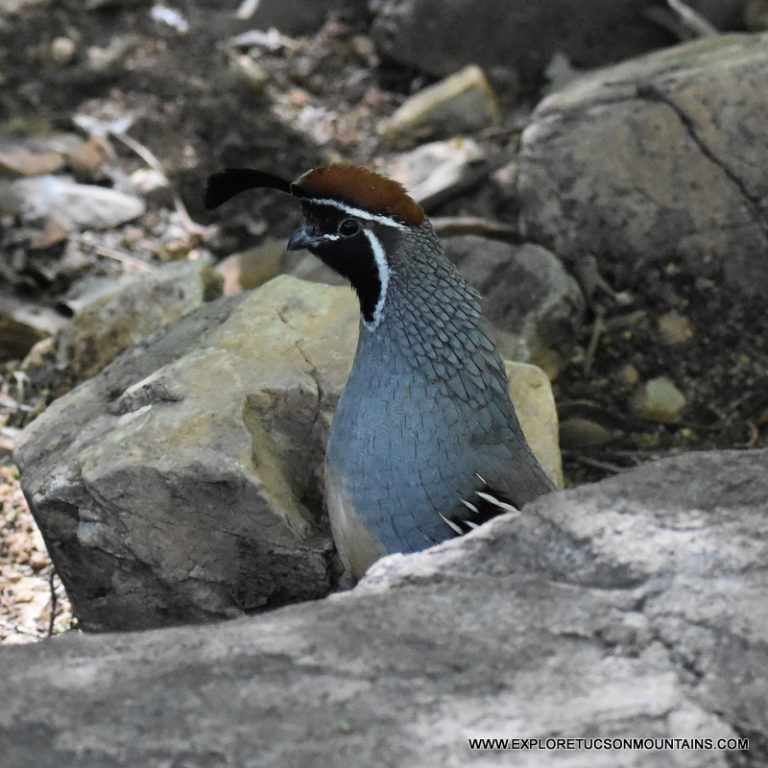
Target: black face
<point>340,241</point>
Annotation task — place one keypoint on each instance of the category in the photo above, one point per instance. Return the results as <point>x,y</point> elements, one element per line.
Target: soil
<point>327,95</point>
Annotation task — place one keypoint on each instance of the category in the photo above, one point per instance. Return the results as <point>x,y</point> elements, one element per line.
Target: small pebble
<point>63,50</point>
<point>251,74</point>
<point>38,561</point>
<point>658,400</point>
<point>629,375</point>
<point>583,433</point>
<point>674,328</point>
<point>89,156</point>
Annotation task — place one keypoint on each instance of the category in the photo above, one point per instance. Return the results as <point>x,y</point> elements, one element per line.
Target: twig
<point>113,253</point>
<point>681,21</point>
<point>54,601</point>
<point>692,20</point>
<point>598,329</point>
<point>753,437</point>
<point>595,463</point>
<point>247,9</point>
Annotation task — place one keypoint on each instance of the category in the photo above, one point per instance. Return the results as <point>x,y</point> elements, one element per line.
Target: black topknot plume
<point>229,182</point>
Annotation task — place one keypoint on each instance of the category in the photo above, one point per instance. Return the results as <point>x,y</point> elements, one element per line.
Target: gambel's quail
<point>425,443</point>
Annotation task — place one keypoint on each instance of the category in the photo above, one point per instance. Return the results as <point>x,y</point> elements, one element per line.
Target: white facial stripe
<point>383,267</point>
<point>357,212</point>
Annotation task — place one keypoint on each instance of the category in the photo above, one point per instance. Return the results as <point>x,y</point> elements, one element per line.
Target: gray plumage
<point>425,420</point>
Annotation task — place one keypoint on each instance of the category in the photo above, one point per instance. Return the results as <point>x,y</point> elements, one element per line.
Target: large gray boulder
<point>655,160</point>
<point>634,608</point>
<point>184,482</point>
<point>442,36</point>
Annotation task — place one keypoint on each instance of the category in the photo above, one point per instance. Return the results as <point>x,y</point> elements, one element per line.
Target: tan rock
<point>89,156</point>
<point>110,316</point>
<point>463,102</point>
<point>63,50</point>
<point>249,72</point>
<point>579,432</point>
<point>24,162</point>
<point>531,393</point>
<point>674,328</point>
<point>629,375</point>
<point>658,400</point>
<point>439,170</point>
<point>252,267</point>
<point>23,324</point>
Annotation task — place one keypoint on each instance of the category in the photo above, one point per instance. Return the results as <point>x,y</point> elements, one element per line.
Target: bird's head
<point>355,220</point>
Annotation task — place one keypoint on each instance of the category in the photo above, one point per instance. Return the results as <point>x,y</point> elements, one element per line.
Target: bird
<point>425,444</point>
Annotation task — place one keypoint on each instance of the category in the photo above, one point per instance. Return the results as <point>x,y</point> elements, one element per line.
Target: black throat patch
<point>352,256</point>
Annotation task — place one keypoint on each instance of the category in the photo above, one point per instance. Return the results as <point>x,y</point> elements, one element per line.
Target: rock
<point>89,157</point>
<point>23,324</point>
<point>559,72</point>
<point>169,17</point>
<point>461,103</point>
<point>674,328</point>
<point>528,296</point>
<point>153,186</point>
<point>656,159</point>
<point>250,72</point>
<point>435,172</point>
<point>184,482</point>
<point>113,57</point>
<point>531,392</point>
<point>110,316</point>
<point>631,608</point>
<point>306,266</point>
<point>578,432</point>
<point>253,267</point>
<point>658,400</point>
<point>21,162</point>
<point>63,50</point>
<point>177,485</point>
<point>34,155</point>
<point>13,7</point>
<point>440,37</point>
<point>78,206</point>
<point>629,375</point>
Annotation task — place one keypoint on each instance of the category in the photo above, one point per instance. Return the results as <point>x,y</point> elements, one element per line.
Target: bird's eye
<point>349,227</point>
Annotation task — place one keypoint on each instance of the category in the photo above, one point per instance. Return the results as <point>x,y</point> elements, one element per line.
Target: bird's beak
<point>304,237</point>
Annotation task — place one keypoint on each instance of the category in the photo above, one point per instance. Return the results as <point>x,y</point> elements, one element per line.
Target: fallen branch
<point>54,601</point>
<point>112,253</point>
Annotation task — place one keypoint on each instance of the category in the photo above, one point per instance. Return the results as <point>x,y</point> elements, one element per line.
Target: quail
<point>425,443</point>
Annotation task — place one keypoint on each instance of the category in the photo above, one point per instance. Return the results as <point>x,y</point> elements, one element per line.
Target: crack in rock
<point>652,93</point>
